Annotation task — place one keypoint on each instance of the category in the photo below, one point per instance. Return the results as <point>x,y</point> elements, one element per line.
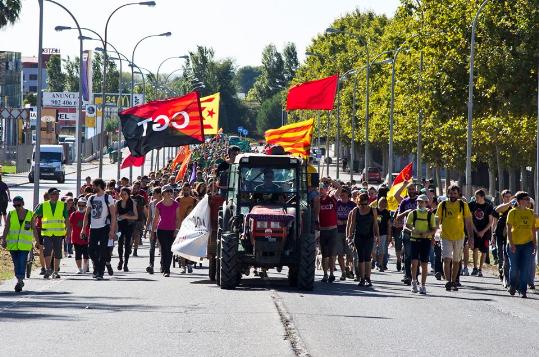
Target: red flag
<point>183,168</point>
<point>163,123</point>
<point>182,154</point>
<point>316,95</point>
<point>131,160</point>
<point>404,175</point>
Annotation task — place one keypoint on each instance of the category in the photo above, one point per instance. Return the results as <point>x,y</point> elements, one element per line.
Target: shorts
<point>452,249</point>
<point>81,251</point>
<point>341,246</point>
<point>3,206</point>
<point>482,243</point>
<point>398,238</point>
<point>53,246</point>
<point>328,242</point>
<point>420,249</point>
<point>364,249</point>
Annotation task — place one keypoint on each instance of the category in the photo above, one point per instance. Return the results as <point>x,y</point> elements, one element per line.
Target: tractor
<point>265,221</point>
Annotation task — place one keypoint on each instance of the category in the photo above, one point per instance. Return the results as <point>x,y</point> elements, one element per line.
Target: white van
<point>51,163</point>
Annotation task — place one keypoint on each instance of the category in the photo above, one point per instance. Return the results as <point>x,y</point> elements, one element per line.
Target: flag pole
<point>318,146</point>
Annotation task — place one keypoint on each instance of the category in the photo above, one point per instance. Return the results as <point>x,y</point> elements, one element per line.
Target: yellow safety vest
<point>20,236</point>
<point>53,224</point>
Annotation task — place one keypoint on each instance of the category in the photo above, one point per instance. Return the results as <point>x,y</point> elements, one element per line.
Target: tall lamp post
<point>322,57</point>
<point>78,136</point>
<point>39,103</point>
<point>103,82</point>
<point>470,106</point>
<point>166,59</point>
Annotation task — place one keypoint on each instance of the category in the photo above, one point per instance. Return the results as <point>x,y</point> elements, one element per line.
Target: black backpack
<point>106,204</point>
<point>429,216</point>
<point>444,208</point>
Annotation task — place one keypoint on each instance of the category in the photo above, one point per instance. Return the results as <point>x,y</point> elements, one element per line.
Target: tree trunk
<point>428,173</point>
<point>438,178</point>
<point>447,178</point>
<point>501,179</point>
<point>492,177</point>
<point>512,180</point>
<point>524,180</point>
<point>385,159</point>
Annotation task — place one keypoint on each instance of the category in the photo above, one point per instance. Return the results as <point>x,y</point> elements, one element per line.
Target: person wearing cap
<point>80,242</point>
<point>166,220</point>
<point>421,225</point>
<point>54,226</point>
<point>19,234</point>
<point>521,244</point>
<point>223,168</point>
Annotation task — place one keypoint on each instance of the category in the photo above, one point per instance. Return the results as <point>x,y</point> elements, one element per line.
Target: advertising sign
<point>61,99</point>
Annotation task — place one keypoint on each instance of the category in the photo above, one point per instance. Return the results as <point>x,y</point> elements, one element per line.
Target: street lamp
<point>166,59</point>
<point>470,107</point>
<point>78,136</point>
<point>103,82</point>
<point>322,57</point>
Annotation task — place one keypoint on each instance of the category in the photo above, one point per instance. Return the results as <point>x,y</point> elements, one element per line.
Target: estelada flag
<point>163,123</point>
<point>294,138</point>
<point>182,154</point>
<point>183,168</point>
<point>131,160</point>
<point>404,175</point>
<point>316,95</point>
<point>210,113</point>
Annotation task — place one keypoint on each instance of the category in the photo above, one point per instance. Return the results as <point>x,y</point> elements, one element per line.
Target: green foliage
<point>9,12</point>
<point>30,99</point>
<point>272,77</point>
<point>56,78</point>
<point>112,124</point>
<point>246,77</point>
<point>270,113</point>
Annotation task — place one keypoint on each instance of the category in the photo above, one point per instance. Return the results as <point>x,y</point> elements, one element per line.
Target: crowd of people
<point>355,228</point>
<point>353,224</point>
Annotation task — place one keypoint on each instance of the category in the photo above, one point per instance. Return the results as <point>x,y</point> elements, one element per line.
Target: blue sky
<point>235,28</point>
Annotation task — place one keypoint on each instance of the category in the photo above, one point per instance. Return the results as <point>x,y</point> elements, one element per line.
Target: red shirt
<point>328,213</point>
<point>75,219</point>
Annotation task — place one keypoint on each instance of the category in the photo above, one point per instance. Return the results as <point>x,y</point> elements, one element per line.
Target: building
<point>10,79</point>
<point>29,74</point>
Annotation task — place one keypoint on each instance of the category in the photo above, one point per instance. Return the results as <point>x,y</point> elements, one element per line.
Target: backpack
<point>444,208</point>
<point>429,216</point>
<point>106,204</point>
<point>139,199</point>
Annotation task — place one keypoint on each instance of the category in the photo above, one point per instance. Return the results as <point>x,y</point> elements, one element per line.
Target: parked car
<point>374,174</point>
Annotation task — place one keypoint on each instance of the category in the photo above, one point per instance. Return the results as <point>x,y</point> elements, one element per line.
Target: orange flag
<point>182,154</point>
<point>183,168</point>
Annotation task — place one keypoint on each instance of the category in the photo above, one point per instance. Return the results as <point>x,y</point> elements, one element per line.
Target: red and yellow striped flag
<point>294,138</point>
<point>182,154</point>
<point>183,168</point>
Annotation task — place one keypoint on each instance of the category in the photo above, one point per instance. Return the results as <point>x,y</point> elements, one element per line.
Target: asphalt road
<point>148,315</point>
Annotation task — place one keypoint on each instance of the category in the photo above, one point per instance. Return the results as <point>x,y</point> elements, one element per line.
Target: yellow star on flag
<point>210,113</point>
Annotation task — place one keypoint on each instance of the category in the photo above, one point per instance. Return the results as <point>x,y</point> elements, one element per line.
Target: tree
<point>246,77</point>
<point>291,62</point>
<point>30,99</point>
<point>113,76</point>
<point>56,78</point>
<point>9,12</point>
<point>272,79</point>
<point>72,74</point>
<point>270,113</point>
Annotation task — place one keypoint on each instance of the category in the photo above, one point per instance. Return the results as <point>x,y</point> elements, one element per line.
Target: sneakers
<point>479,273</point>
<point>120,265</point>
<point>399,266</point>
<point>474,272</point>
<point>373,264</point>
<point>149,270</point>
<point>126,269</point>
<point>512,291</point>
<point>183,271</point>
<point>361,282</point>
<point>423,290</point>
<point>448,286</point>
<point>42,271</point>
<point>331,278</point>
<point>343,277</point>
<point>189,269</point>
<point>454,287</point>
<point>531,286</point>
<point>523,295</point>
<point>438,276</point>
<point>368,282</point>
<point>465,272</point>
<point>47,274</point>
<point>98,277</point>
<point>55,275</point>
<point>407,281</point>
<point>18,286</point>
<point>135,253</point>
<point>414,287</point>
<point>110,271</point>
<point>79,271</point>
<point>325,278</point>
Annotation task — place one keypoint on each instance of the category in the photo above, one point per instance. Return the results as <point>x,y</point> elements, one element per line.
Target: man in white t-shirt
<point>101,215</point>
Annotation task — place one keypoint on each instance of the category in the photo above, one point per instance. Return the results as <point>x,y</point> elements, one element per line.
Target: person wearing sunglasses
<point>18,238</point>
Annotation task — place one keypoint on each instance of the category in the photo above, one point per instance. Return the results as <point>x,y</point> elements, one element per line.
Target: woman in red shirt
<point>81,245</point>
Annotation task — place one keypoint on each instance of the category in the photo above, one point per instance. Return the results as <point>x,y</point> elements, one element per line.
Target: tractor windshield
<point>268,180</point>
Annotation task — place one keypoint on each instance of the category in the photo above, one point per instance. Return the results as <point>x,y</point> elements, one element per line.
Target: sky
<point>237,29</point>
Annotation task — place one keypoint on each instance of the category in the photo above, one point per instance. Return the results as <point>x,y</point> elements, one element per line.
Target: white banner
<point>192,239</point>
<point>61,99</point>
